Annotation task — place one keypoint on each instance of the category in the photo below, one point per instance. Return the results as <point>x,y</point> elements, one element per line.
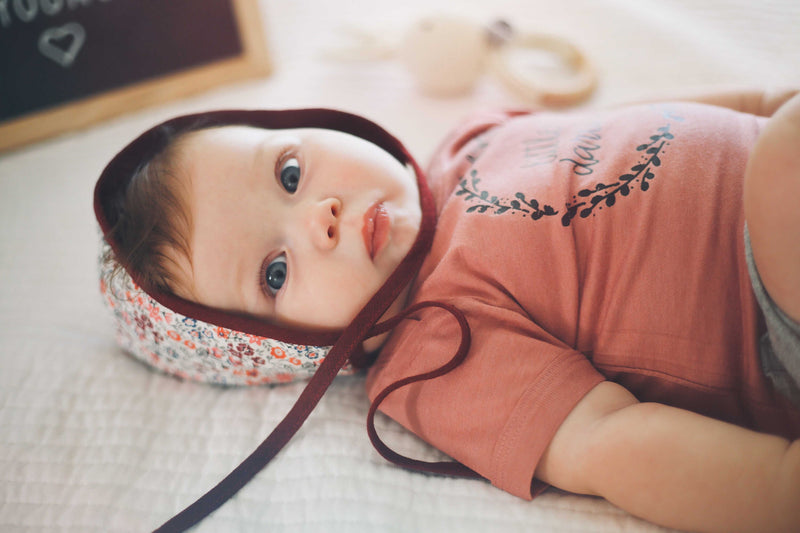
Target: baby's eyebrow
<point>268,150</point>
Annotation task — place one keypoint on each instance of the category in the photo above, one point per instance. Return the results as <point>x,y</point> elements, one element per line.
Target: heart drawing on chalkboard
<point>62,44</point>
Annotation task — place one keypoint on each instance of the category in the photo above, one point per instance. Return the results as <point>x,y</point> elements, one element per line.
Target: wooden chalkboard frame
<point>253,62</point>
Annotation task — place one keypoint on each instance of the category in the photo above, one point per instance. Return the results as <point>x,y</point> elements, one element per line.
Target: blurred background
<point>641,49</point>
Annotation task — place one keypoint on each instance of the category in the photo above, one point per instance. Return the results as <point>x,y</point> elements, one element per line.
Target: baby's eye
<point>290,174</point>
<point>275,274</point>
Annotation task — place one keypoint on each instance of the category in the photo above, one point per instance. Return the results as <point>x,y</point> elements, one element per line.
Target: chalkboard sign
<point>65,64</point>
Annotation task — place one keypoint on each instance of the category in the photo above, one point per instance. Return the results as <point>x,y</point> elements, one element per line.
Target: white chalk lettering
<point>28,10</point>
<point>51,7</point>
<point>5,16</point>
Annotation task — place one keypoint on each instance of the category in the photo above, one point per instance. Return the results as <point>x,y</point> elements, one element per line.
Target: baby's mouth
<point>376,228</point>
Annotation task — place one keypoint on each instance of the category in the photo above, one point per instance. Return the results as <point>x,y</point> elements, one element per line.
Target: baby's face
<point>297,226</point>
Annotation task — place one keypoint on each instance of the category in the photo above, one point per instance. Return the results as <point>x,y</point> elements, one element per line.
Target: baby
<point>606,302</point>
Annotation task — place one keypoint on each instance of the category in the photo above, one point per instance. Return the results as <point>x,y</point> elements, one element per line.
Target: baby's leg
<point>772,207</point>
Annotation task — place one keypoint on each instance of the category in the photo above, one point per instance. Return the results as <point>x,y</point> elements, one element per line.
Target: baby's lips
<point>376,228</point>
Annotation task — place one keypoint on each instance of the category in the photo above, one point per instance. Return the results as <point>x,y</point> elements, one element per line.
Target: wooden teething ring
<point>577,88</point>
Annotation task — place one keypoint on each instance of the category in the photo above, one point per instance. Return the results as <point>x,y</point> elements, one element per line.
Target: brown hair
<point>153,223</point>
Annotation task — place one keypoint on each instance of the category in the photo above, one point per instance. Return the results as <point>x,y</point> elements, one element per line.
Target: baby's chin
<point>323,324</point>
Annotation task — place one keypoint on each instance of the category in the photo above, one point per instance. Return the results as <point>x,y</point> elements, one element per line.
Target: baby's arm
<point>754,101</point>
<point>674,467</point>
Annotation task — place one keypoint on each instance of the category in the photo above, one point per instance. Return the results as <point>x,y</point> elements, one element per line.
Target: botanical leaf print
<point>472,192</point>
<point>584,202</point>
<point>641,173</point>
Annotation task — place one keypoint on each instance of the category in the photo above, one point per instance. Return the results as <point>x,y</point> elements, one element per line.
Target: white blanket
<point>91,440</point>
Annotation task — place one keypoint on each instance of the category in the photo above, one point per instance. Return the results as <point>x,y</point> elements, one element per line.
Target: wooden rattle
<point>447,55</point>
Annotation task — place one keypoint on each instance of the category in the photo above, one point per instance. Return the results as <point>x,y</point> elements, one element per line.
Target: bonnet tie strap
<point>305,404</point>
<point>449,468</point>
<point>269,448</point>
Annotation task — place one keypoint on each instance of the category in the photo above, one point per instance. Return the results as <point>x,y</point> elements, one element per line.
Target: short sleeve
<point>497,412</point>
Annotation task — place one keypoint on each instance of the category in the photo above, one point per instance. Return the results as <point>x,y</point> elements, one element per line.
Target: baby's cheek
<point>327,303</point>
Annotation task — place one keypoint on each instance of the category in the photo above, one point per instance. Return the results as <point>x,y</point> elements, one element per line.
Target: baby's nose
<point>324,223</point>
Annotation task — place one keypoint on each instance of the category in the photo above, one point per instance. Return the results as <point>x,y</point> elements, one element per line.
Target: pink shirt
<point>582,247</point>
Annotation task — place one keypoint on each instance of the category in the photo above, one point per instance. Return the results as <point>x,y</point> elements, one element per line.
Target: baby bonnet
<point>200,343</point>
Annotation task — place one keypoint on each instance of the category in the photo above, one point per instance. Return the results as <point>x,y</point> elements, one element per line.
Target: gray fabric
<point>780,346</point>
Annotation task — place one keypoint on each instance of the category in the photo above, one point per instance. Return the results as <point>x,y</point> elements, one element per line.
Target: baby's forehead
<point>234,139</point>
<point>199,145</point>
<point>253,130</point>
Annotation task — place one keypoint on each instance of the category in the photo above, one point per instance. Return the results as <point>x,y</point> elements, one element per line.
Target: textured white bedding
<point>90,440</point>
